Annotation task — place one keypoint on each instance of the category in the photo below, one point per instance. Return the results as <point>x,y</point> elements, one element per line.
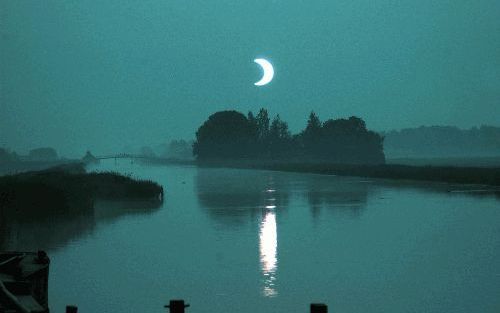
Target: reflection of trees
<point>231,195</point>
<point>48,230</point>
<point>44,232</point>
<point>235,197</point>
<point>337,194</point>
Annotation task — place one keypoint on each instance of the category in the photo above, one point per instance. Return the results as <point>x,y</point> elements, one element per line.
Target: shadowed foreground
<point>71,188</point>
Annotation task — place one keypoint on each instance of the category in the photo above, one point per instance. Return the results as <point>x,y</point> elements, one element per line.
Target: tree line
<point>442,142</point>
<point>230,135</point>
<point>38,154</point>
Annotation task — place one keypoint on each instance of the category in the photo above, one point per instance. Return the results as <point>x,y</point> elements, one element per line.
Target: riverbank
<point>490,162</point>
<point>69,187</point>
<point>447,174</point>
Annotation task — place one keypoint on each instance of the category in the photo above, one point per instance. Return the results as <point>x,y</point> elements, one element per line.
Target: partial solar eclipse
<point>268,72</point>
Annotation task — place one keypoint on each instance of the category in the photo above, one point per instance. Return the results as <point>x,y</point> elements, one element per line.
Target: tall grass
<point>71,188</point>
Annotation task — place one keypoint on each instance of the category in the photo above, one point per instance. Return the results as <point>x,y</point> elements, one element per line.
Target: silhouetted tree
<point>311,136</point>
<point>43,154</point>
<point>263,125</point>
<point>443,141</point>
<point>252,121</point>
<point>279,138</point>
<point>89,158</point>
<point>313,124</point>
<point>147,151</point>
<point>231,135</point>
<point>180,149</point>
<point>225,135</point>
<point>8,157</point>
<point>348,141</point>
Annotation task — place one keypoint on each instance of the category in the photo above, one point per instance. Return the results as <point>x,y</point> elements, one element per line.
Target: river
<point>236,240</point>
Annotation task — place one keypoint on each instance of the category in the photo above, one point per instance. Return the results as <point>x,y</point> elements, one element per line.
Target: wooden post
<point>319,308</point>
<point>177,306</point>
<point>71,309</point>
<point>42,257</point>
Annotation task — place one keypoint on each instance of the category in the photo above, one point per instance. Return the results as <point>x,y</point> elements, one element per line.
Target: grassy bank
<point>450,161</point>
<point>69,187</point>
<point>448,174</point>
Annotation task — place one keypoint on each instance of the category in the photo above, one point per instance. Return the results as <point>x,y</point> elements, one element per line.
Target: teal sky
<point>102,75</point>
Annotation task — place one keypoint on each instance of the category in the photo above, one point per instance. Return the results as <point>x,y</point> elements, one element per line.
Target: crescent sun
<point>268,70</point>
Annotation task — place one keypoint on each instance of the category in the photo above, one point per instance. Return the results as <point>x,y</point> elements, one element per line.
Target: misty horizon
<point>103,76</point>
<point>159,147</point>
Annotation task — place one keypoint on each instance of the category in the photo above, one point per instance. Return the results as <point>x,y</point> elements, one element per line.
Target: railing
<point>124,156</point>
<point>179,306</point>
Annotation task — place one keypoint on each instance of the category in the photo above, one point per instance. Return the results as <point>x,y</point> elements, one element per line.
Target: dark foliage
<point>443,141</point>
<point>225,135</point>
<point>342,141</point>
<point>70,188</point>
<point>7,156</point>
<point>43,154</point>
<point>460,175</point>
<point>448,174</point>
<point>179,150</point>
<point>229,135</point>
<point>115,186</point>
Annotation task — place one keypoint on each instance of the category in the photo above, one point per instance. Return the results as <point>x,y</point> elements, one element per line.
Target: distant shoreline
<point>483,161</point>
<point>444,174</point>
<point>458,174</point>
<point>477,171</point>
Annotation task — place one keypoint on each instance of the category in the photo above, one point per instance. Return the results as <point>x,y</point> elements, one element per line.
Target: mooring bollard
<point>71,309</point>
<point>177,306</point>
<point>319,308</point>
<point>41,257</point>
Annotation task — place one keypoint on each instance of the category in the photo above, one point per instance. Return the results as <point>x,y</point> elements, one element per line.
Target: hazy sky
<point>103,74</point>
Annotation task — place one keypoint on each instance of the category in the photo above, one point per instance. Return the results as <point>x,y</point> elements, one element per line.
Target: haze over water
<point>231,240</point>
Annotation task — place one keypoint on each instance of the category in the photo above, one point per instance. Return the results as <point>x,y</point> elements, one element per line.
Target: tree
<point>89,158</point>
<point>43,154</point>
<point>311,136</point>
<point>313,124</point>
<point>225,135</point>
<point>263,125</point>
<point>8,157</point>
<point>252,121</point>
<point>279,138</point>
<point>147,151</point>
<point>232,135</point>
<point>348,141</point>
<point>180,149</point>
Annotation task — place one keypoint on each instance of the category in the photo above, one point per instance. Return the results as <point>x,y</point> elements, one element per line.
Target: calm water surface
<point>230,240</point>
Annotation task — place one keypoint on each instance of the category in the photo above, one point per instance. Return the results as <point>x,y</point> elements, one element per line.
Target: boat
<point>24,282</point>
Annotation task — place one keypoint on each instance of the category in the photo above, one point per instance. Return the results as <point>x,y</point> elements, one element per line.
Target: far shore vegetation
<point>445,174</point>
<point>231,135</point>
<point>343,147</point>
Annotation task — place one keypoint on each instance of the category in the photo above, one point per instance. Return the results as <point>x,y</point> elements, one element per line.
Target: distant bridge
<point>127,156</point>
<point>132,157</point>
